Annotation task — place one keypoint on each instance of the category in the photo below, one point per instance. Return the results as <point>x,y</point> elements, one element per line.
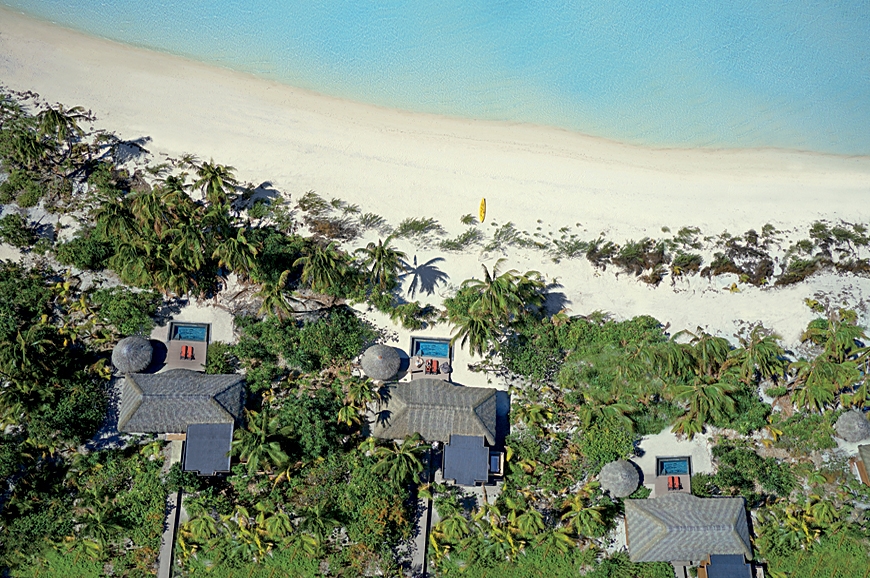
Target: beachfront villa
<point>180,402</point>
<point>689,531</point>
<point>463,418</point>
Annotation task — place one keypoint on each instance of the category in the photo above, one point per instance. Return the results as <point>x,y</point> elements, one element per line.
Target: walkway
<point>170,523</point>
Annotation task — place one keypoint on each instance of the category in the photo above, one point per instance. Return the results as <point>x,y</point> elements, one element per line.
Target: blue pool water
<point>744,73</point>
<point>673,467</point>
<point>431,348</point>
<point>189,332</point>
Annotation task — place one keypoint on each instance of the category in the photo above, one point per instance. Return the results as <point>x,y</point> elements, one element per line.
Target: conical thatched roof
<point>853,426</point>
<point>132,354</point>
<point>620,478</point>
<point>380,362</point>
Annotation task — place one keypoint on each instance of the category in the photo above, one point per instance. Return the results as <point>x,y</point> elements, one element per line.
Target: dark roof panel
<point>207,449</point>
<point>169,401</point>
<point>466,460</point>
<point>728,566</point>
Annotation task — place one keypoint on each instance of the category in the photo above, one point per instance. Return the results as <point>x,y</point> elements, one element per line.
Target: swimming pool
<point>189,332</point>
<point>673,466</point>
<point>431,347</point>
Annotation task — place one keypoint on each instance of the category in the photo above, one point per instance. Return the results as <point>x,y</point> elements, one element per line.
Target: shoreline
<point>387,155</point>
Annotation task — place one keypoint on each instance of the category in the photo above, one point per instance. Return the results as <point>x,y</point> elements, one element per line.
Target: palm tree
<point>527,524</point>
<point>505,294</point>
<point>476,328</point>
<point>259,443</point>
<point>214,179</point>
<point>274,299</point>
<point>760,354</point>
<point>557,540</point>
<point>583,518</point>
<point>114,221</point>
<point>323,268</point>
<point>384,262</point>
<point>451,528</point>
<point>237,254</point>
<point>402,462</point>
<point>532,414</point>
<point>816,383</point>
<point>60,123</point>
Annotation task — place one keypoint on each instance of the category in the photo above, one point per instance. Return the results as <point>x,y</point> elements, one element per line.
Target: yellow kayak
<point>482,209</point>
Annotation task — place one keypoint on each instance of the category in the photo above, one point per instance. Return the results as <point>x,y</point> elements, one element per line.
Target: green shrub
<point>85,251</point>
<point>16,231</point>
<point>605,441</point>
<point>130,312</point>
<point>221,359</point>
<point>21,188</point>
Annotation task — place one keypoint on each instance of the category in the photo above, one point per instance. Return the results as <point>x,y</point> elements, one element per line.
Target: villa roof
<point>682,527</point>
<point>436,410</point>
<point>170,401</point>
<point>620,478</point>
<point>380,362</point>
<point>132,354</point>
<point>853,426</point>
<point>466,460</point>
<point>207,448</point>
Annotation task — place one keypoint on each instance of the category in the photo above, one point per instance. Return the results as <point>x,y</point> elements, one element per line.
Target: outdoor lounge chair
<point>670,483</point>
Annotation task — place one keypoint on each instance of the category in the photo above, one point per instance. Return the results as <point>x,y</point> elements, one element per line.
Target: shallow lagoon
<point>663,73</point>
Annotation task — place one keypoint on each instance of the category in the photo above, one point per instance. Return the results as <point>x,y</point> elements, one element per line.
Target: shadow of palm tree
<point>424,277</point>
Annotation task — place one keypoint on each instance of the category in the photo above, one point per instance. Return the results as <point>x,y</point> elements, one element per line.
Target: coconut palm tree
<point>323,268</point>
<point>583,518</point>
<point>816,383</point>
<point>237,254</point>
<point>259,443</point>
<point>114,221</point>
<point>401,462</point>
<point>505,294</point>
<point>384,262</point>
<point>476,328</point>
<point>424,277</point>
<point>274,301</point>
<point>760,355</point>
<point>214,179</point>
<point>60,123</point>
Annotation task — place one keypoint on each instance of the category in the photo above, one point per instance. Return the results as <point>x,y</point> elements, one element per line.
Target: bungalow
<point>198,408</point>
<point>464,418</point>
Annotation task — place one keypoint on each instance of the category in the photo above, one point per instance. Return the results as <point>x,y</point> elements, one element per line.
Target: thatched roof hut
<point>620,478</point>
<point>132,354</point>
<point>853,426</point>
<point>380,362</point>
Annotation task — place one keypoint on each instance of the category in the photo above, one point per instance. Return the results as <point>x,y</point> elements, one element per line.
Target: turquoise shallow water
<point>744,73</point>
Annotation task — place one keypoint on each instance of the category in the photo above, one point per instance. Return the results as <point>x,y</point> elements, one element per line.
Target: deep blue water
<point>743,73</point>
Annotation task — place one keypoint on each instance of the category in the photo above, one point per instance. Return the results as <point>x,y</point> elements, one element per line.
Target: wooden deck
<point>661,486</point>
<point>173,355</point>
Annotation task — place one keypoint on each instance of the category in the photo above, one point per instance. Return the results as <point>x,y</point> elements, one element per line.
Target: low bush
<point>16,231</point>
<point>129,312</point>
<point>85,252</point>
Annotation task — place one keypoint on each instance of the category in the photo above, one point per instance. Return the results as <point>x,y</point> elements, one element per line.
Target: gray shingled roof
<point>380,362</point>
<point>680,527</point>
<point>170,401</point>
<point>853,426</point>
<point>132,354</point>
<point>436,410</point>
<point>620,478</point>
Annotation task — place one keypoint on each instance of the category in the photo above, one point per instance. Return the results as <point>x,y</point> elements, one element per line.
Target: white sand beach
<point>399,164</point>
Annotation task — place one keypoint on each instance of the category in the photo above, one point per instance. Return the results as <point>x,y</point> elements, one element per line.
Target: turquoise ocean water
<point>742,73</point>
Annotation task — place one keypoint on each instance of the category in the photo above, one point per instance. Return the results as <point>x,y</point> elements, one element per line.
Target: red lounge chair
<point>183,352</point>
<point>677,484</point>
<point>190,352</point>
<point>670,482</point>
<point>434,366</point>
<point>428,366</point>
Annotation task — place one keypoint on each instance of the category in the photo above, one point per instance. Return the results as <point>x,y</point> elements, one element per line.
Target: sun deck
<point>187,346</point>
